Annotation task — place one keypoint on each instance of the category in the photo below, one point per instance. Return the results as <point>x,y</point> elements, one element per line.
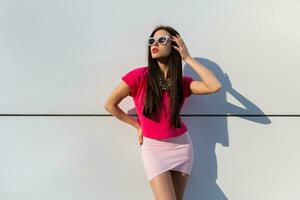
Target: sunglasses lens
<point>162,40</point>
<point>151,41</point>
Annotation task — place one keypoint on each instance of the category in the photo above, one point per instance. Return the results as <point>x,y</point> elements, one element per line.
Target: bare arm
<point>210,83</point>
<point>111,104</point>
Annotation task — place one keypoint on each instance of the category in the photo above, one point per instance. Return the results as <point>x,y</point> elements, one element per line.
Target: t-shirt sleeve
<point>187,82</point>
<point>131,78</point>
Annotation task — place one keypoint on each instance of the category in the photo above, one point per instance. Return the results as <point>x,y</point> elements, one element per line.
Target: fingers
<point>177,39</point>
<point>141,140</point>
<point>175,47</point>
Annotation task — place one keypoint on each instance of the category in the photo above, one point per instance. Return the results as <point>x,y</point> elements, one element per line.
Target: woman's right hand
<point>140,135</point>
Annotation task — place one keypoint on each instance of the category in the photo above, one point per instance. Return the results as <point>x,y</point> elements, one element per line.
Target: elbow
<point>108,107</point>
<point>217,88</point>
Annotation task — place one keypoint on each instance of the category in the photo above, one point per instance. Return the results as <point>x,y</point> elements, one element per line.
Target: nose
<point>156,43</point>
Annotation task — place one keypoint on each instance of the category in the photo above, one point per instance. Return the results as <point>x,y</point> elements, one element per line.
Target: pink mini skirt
<point>160,155</point>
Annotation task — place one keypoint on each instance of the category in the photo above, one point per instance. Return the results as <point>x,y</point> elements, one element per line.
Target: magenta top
<point>136,80</point>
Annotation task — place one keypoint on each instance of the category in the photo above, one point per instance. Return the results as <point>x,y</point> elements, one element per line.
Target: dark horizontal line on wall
<point>187,115</point>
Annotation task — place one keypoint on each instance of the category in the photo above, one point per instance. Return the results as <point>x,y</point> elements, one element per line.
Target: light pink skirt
<point>160,155</point>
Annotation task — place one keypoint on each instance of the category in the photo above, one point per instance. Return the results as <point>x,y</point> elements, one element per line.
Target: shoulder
<point>134,79</point>
<point>187,79</point>
<point>137,71</point>
<point>135,75</point>
<point>143,70</point>
<point>186,85</point>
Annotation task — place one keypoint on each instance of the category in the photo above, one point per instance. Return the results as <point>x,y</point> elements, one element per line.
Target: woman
<point>159,91</point>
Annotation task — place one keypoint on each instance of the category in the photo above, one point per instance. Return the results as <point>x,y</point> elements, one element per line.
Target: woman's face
<point>163,49</point>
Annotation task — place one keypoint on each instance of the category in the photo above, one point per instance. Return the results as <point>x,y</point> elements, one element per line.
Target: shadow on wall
<point>206,132</point>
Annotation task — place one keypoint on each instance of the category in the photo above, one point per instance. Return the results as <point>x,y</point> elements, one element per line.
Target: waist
<point>184,136</point>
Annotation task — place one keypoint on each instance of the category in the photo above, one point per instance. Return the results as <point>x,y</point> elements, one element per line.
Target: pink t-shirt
<point>136,80</point>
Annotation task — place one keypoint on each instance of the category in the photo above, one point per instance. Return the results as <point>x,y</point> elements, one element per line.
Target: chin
<point>158,56</point>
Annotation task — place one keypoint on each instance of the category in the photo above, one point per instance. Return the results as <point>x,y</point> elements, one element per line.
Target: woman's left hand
<point>182,49</point>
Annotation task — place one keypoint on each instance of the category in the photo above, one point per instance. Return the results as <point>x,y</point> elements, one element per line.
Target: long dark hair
<point>153,100</point>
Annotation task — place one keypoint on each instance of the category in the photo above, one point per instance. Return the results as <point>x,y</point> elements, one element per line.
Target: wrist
<point>137,125</point>
<point>187,59</point>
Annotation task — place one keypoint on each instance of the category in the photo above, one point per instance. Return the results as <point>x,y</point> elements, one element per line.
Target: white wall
<point>65,57</point>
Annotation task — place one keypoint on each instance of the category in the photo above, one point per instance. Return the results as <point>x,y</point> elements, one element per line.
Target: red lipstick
<point>155,50</point>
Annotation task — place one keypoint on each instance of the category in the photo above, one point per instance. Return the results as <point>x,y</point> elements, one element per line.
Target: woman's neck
<point>163,65</point>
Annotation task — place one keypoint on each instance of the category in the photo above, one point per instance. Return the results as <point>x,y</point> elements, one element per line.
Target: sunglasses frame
<point>156,40</point>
